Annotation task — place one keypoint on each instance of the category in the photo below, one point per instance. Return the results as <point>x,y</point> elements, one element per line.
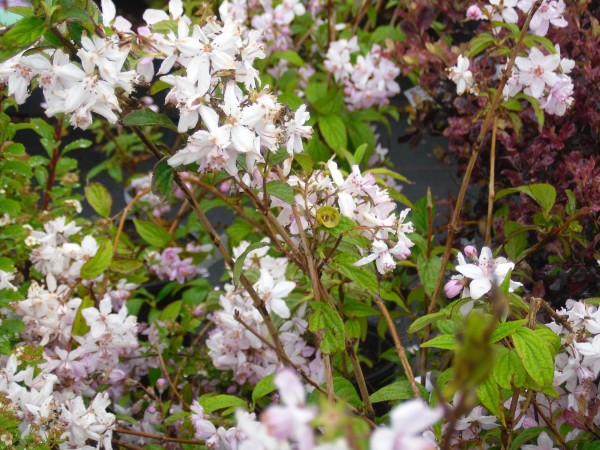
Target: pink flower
<point>475,13</point>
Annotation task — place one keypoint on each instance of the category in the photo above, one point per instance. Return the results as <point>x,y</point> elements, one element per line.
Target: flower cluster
<point>360,199</point>
<point>369,81</point>
<point>233,347</point>
<point>43,411</point>
<point>54,255</point>
<point>169,264</point>
<point>274,24</point>
<point>538,75</point>
<point>90,86</point>
<point>478,277</point>
<point>545,78</point>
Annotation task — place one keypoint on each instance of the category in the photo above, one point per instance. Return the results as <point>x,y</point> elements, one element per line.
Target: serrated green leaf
<point>344,389</point>
<point>506,329</point>
<point>544,194</point>
<point>526,435</point>
<point>99,198</point>
<point>422,322</point>
<point>281,190</point>
<point>534,355</point>
<point>355,308</point>
<point>489,396</point>
<point>10,207</point>
<point>162,179</point>
<point>99,262</point>
<point>151,233</point>
<point>25,32</point>
<point>479,43</point>
<point>147,117</point>
<point>326,319</point>
<point>177,416</point>
<point>125,265</point>
<point>217,402</point>
<point>333,131</point>
<point>398,390</point>
<point>429,270</point>
<point>445,341</point>
<point>344,264</point>
<point>171,312</point>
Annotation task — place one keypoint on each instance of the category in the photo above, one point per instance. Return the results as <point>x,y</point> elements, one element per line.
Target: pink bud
<point>474,13</point>
<point>151,409</point>
<point>232,389</point>
<point>225,187</point>
<point>453,288</point>
<point>161,383</point>
<point>470,252</point>
<point>199,311</point>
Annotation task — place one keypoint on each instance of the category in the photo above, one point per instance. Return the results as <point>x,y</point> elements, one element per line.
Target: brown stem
<point>491,188</point>
<point>551,425</point>
<point>199,336</point>
<point>167,376</point>
<point>124,214</point>
<point>58,134</point>
<point>400,351</point>
<point>557,317</point>
<point>452,227</point>
<point>360,379</point>
<point>127,446</point>
<point>329,376</point>
<point>157,436</point>
<point>216,239</point>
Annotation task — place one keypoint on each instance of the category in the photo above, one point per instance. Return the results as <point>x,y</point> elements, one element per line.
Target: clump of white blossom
<point>540,74</point>
<point>368,81</point>
<point>233,347</point>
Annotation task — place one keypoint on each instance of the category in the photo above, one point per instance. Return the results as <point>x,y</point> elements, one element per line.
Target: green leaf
<point>535,104</point>
<point>171,312</point>
<point>80,326</point>
<point>512,104</point>
<point>151,233</point>
<point>506,329</point>
<point>326,319</point>
<point>331,103</point>
<point>479,43</point>
<point>238,265</point>
<point>76,145</point>
<point>216,402</point>
<point>99,198</point>
<point>305,162</point>
<point>398,390</point>
<point>422,322</point>
<point>551,339</point>
<point>389,173</point>
<point>429,270</point>
<point>344,389</point>
<point>99,262</point>
<point>162,179</point>
<point>445,341</point>
<point>147,117</point>
<point>264,387</point>
<point>291,56</point>
<point>489,396</point>
<point>534,355</point>
<point>281,190</point>
<point>344,264</point>
<point>528,434</point>
<point>10,207</point>
<point>544,194</point>
<point>25,32</point>
<point>315,91</point>
<point>355,308</point>
<point>177,416</point>
<point>333,131</point>
<point>516,239</point>
<point>125,265</point>
<point>360,153</point>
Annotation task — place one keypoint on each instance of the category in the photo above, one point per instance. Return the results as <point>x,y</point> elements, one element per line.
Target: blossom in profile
<point>409,421</point>
<point>544,442</point>
<point>475,13</point>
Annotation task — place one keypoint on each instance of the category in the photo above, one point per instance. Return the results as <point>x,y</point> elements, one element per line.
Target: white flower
<point>408,422</point>
<point>296,130</point>
<point>273,293</point>
<point>544,442</point>
<point>537,70</point>
<point>461,75</point>
<point>5,280</point>
<point>486,272</point>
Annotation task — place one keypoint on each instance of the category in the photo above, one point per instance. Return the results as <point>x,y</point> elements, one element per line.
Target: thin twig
<point>158,436</point>
<point>551,424</point>
<point>125,213</point>
<point>491,188</point>
<point>360,379</point>
<point>400,351</point>
<point>452,227</point>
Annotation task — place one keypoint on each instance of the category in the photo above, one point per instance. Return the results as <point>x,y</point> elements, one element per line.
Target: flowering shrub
<point>120,329</point>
